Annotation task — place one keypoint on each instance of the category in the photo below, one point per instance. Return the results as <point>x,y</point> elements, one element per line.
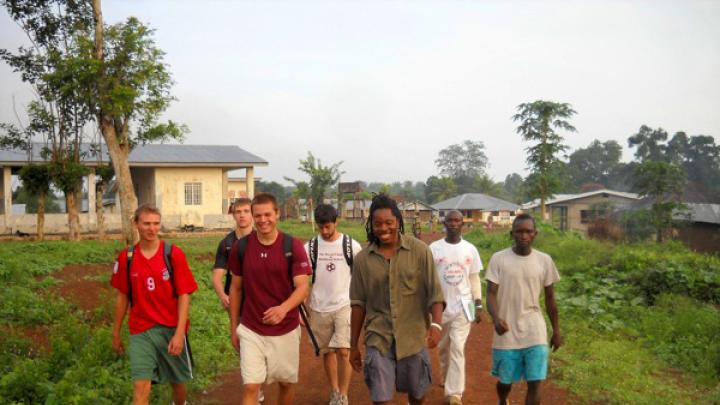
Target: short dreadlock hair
<point>381,201</point>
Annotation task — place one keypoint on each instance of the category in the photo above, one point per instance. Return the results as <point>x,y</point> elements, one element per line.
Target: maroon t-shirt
<point>266,282</point>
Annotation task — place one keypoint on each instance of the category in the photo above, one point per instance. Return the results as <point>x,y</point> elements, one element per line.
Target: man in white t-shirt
<point>458,265</point>
<point>516,276</point>
<point>331,255</point>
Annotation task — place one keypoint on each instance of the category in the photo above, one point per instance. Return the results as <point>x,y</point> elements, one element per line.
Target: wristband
<point>479,306</point>
<point>437,325</point>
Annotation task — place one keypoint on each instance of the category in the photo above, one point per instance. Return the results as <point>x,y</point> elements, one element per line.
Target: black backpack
<point>242,247</point>
<point>347,252</point>
<point>168,264</point>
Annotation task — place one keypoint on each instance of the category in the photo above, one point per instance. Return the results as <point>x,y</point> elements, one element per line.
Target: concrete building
<point>189,183</point>
<point>477,207</point>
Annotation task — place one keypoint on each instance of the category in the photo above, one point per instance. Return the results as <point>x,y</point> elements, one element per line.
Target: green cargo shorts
<point>150,360</point>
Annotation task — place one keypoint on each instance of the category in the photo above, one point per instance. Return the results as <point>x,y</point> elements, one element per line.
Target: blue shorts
<point>512,365</point>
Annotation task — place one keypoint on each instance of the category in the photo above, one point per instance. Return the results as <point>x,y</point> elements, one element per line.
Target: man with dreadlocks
<point>393,288</point>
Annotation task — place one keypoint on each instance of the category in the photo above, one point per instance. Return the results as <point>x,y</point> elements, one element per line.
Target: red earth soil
<point>79,284</point>
<point>312,389</point>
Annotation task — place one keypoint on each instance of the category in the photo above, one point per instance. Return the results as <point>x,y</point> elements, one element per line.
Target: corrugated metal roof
<point>558,198</point>
<point>708,213</point>
<point>476,201</point>
<point>157,155</point>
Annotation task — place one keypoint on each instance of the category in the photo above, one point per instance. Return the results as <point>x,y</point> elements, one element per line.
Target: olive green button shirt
<point>396,295</point>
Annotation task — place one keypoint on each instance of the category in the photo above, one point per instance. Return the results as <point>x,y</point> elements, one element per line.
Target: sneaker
<point>261,395</point>
<point>343,400</point>
<point>454,400</point>
<point>334,398</point>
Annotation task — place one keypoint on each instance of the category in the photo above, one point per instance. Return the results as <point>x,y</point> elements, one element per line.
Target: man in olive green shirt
<point>393,289</point>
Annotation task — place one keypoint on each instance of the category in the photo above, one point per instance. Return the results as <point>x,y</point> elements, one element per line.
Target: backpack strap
<point>227,245</point>
<point>242,247</point>
<point>130,252</point>
<point>313,249</point>
<point>348,250</point>
<point>167,256</point>
<point>287,250</point>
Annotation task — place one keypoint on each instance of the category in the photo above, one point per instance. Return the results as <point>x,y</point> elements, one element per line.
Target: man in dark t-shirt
<point>267,333</point>
<point>240,210</point>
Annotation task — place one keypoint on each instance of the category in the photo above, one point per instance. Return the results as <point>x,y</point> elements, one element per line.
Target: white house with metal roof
<point>478,207</point>
<point>576,211</point>
<point>189,183</point>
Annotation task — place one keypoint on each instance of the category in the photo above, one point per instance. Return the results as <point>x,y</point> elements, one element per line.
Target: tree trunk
<point>100,211</point>
<point>73,217</point>
<point>119,151</point>
<point>41,216</point>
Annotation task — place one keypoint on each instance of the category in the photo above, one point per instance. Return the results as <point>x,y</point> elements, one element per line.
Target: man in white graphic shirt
<point>331,255</point>
<point>458,265</point>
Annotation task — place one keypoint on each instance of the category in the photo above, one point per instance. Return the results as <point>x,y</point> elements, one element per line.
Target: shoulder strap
<point>167,255</point>
<point>348,250</point>
<point>130,251</point>
<point>313,248</point>
<point>287,250</point>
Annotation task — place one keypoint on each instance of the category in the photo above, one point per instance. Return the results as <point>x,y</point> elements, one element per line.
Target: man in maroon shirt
<point>159,299</point>
<point>267,335</point>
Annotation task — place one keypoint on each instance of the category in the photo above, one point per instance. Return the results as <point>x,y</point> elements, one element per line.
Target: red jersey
<point>266,282</point>
<point>153,299</point>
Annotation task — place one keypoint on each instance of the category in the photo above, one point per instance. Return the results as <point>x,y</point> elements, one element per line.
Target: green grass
<point>640,321</point>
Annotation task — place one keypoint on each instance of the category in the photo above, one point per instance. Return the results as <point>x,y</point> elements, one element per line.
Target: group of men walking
<point>407,297</point>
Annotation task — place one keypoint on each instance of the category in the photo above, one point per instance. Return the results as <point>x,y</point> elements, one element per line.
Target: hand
<point>225,301</point>
<point>478,315</point>
<point>356,359</point>
<point>501,326</point>
<point>176,344</point>
<point>117,343</point>
<point>274,315</point>
<point>235,340</point>
<point>556,341</point>
<point>433,337</point>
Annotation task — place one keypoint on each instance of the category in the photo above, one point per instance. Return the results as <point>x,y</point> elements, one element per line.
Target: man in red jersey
<point>157,285</point>
<point>267,335</point>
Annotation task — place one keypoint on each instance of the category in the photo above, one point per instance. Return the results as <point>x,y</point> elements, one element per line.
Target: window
<point>588,216</point>
<point>193,193</point>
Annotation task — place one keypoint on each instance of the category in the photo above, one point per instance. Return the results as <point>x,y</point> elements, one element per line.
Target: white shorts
<point>267,359</point>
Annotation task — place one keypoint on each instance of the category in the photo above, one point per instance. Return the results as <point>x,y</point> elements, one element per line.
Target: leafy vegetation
<point>640,321</point>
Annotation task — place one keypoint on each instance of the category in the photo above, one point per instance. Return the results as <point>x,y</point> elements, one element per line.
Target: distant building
<point>413,209</point>
<point>189,183</point>
<point>577,211</point>
<point>477,207</point>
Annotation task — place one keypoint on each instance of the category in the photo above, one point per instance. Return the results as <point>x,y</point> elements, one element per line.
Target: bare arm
<point>357,318</point>
<point>178,340</point>
<point>275,315</point>
<point>218,282</point>
<point>121,307</point>
<point>235,299</point>
<point>500,325</point>
<point>552,311</point>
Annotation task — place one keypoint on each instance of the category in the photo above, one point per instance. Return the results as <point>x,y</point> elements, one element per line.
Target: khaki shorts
<point>331,329</point>
<point>267,359</point>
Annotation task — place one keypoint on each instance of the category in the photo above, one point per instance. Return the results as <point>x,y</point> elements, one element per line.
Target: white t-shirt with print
<point>520,281</point>
<point>331,289</point>
<point>454,264</point>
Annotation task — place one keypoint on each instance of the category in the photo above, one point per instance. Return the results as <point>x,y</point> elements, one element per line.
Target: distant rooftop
<point>558,198</point>
<point>476,201</point>
<point>155,155</point>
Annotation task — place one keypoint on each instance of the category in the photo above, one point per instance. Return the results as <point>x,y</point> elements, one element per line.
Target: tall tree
<point>59,113</point>
<point>664,183</point>
<point>36,181</point>
<point>539,122</point>
<point>128,87</point>
<point>594,164</point>
<point>439,189</point>
<point>321,177</point>
<point>463,159</point>
<point>513,187</point>
<point>649,143</point>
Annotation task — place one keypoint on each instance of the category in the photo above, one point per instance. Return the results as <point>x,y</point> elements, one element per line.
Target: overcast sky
<point>384,85</point>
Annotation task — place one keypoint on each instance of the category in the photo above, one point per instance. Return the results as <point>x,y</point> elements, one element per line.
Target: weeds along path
<point>85,286</point>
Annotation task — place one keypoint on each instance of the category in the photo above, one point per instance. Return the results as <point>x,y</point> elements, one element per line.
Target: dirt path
<point>79,285</point>
<point>312,387</point>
